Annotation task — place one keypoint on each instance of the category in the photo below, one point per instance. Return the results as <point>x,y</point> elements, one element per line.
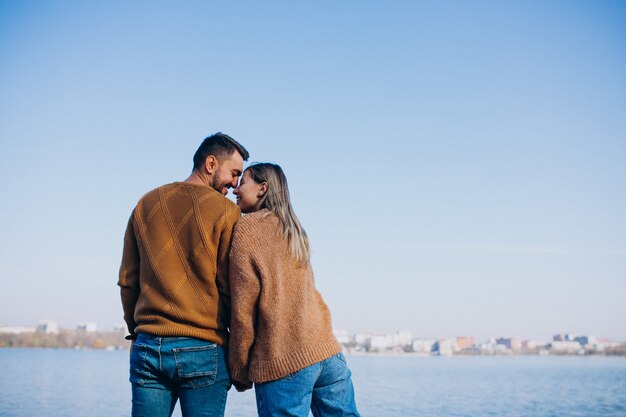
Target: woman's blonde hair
<point>277,200</point>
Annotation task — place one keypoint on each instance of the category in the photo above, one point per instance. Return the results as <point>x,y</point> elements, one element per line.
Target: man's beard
<point>215,182</point>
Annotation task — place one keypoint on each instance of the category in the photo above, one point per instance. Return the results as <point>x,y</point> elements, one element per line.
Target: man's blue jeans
<point>324,387</point>
<point>165,369</point>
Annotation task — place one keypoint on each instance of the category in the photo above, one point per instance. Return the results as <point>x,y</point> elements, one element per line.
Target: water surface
<point>82,383</point>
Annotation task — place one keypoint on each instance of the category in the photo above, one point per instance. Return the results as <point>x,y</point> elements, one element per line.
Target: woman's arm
<point>244,291</point>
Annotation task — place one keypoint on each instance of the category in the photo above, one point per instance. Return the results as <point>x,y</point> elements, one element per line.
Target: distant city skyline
<point>460,168</point>
<point>45,325</point>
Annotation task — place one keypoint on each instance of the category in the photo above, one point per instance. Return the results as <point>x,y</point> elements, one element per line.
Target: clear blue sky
<point>459,166</point>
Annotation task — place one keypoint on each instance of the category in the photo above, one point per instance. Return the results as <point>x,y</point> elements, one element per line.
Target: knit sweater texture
<point>174,271</point>
<point>279,321</point>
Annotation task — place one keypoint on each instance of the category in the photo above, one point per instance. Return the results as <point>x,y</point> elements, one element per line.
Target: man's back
<point>174,286</point>
<point>174,272</point>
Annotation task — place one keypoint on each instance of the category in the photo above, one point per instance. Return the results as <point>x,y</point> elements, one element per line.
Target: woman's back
<point>281,331</point>
<point>280,323</point>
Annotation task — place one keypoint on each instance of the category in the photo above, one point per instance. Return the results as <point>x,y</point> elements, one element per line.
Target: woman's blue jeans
<point>166,369</point>
<point>324,387</point>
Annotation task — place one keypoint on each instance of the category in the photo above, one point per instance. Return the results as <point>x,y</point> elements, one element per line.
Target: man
<point>174,286</point>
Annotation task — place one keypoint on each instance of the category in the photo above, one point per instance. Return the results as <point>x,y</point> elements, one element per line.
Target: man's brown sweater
<point>280,324</point>
<point>174,272</point>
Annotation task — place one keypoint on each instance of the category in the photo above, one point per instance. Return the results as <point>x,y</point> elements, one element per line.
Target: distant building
<point>568,347</point>
<point>516,344</point>
<point>87,327</point>
<point>504,341</point>
<point>443,347</point>
<point>600,345</point>
<point>343,337</point>
<point>48,327</point>
<point>402,339</point>
<point>499,346</point>
<point>362,339</point>
<point>513,343</point>
<point>464,343</point>
<point>563,337</point>
<point>533,345</point>
<point>423,345</point>
<point>586,340</point>
<point>378,343</point>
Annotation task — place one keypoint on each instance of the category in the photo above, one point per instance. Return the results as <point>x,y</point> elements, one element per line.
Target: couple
<point>193,269</point>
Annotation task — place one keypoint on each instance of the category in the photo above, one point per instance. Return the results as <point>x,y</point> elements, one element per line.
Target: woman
<point>281,332</point>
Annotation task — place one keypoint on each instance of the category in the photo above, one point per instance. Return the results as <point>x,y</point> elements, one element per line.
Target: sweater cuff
<point>239,374</point>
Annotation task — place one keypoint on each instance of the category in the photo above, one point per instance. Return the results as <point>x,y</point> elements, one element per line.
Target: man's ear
<point>263,190</point>
<point>210,164</point>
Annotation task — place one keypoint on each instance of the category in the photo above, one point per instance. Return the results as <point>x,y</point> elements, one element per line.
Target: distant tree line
<point>616,351</point>
<point>65,339</point>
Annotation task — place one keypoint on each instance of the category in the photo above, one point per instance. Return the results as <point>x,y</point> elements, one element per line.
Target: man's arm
<point>129,277</point>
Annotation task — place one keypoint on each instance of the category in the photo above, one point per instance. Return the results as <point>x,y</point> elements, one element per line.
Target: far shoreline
<point>355,353</point>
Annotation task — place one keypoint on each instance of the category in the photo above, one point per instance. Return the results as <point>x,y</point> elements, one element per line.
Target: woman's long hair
<point>277,200</point>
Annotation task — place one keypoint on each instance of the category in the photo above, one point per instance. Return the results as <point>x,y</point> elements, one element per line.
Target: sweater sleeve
<point>129,276</point>
<point>245,290</point>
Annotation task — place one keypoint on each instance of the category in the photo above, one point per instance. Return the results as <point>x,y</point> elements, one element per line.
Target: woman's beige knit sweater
<point>279,322</point>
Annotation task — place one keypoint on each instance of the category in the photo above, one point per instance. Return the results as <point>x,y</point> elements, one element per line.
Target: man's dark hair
<point>221,146</point>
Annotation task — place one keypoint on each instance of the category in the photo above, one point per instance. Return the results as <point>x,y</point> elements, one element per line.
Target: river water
<point>83,383</point>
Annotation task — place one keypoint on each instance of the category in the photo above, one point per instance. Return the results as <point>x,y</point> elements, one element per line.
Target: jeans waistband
<point>165,339</point>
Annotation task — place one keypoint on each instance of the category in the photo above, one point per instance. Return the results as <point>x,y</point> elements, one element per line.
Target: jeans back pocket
<point>197,364</point>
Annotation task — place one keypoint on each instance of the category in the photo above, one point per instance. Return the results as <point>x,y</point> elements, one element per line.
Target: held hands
<point>242,386</point>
